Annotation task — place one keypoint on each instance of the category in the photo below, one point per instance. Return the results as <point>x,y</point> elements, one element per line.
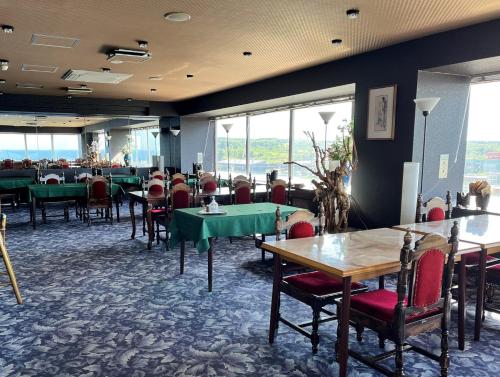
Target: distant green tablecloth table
<point>12,183</point>
<point>240,220</point>
<point>126,179</point>
<point>64,191</point>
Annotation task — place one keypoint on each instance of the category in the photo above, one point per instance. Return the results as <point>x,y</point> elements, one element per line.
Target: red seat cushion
<point>180,199</point>
<point>473,258</point>
<point>99,190</point>
<point>278,195</point>
<point>176,181</point>
<point>301,229</point>
<point>428,278</point>
<point>210,186</point>
<point>381,303</point>
<point>160,177</point>
<point>318,283</point>
<point>436,214</point>
<point>52,181</point>
<point>242,195</point>
<point>156,189</point>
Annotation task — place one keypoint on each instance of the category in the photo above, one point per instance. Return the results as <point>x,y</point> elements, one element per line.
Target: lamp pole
<point>174,133</point>
<point>227,127</point>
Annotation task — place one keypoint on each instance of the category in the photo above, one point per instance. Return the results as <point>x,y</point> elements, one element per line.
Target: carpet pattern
<point>100,304</point>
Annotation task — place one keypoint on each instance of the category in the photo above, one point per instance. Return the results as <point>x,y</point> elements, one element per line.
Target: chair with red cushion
<point>99,197</point>
<point>8,164</point>
<point>435,209</point>
<point>157,174</point>
<point>178,178</point>
<point>242,193</point>
<point>278,192</point>
<point>158,202</point>
<point>54,179</point>
<point>421,303</point>
<point>315,289</point>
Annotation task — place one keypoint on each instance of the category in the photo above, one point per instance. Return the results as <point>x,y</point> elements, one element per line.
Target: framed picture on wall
<point>381,113</point>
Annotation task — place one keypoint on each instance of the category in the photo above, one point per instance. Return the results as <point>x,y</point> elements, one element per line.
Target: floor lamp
<point>326,116</point>
<point>425,105</point>
<point>155,135</point>
<point>174,133</point>
<point>227,127</point>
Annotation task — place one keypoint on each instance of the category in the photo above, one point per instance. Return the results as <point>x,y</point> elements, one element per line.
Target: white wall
<point>195,139</point>
<point>117,142</point>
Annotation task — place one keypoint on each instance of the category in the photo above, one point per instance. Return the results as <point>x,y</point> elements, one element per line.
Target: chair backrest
<point>156,186</point>
<point>157,174</point>
<point>52,179</point>
<point>240,178</point>
<point>8,164</point>
<point>298,224</point>
<point>27,163</point>
<point>278,192</point>
<point>206,175</point>
<point>82,177</point>
<point>181,196</point>
<point>434,209</point>
<point>63,163</point>
<point>243,193</point>
<point>424,281</point>
<point>98,187</point>
<point>208,185</point>
<point>178,178</point>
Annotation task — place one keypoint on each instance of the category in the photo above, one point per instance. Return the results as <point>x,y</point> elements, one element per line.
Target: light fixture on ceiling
<point>2,81</point>
<point>155,78</point>
<point>4,65</point>
<point>129,99</point>
<point>106,70</point>
<point>1,93</point>
<point>177,16</point>
<point>189,76</point>
<point>143,44</point>
<point>352,13</point>
<point>7,29</point>
<point>69,97</point>
<point>153,89</point>
<point>336,42</point>
<point>247,54</point>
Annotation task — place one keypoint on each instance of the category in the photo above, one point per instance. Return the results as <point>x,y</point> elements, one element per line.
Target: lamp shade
<point>175,132</point>
<point>227,127</point>
<point>326,115</point>
<point>155,134</point>
<point>426,104</point>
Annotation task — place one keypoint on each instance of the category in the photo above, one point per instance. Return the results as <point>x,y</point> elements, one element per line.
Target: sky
<point>484,113</point>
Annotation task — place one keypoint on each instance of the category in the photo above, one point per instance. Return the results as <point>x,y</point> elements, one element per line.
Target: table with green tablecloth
<point>12,183</point>
<point>239,220</point>
<point>69,191</point>
<point>121,179</point>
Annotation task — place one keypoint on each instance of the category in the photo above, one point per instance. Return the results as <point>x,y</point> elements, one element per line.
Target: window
<point>12,146</point>
<point>269,135</point>
<point>308,119</point>
<point>39,146</point>
<point>66,146</point>
<point>237,146</point>
<point>143,146</point>
<point>482,158</point>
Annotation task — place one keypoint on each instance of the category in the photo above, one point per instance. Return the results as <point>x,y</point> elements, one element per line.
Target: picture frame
<point>381,113</point>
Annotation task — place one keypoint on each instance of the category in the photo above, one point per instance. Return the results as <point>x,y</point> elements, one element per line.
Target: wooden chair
<point>82,177</point>
<point>208,184</point>
<point>156,187</point>
<point>421,303</point>
<point>99,197</point>
<point>178,178</point>
<point>434,209</point>
<point>492,284</point>
<point>8,164</point>
<point>157,174</point>
<point>243,192</point>
<point>54,179</point>
<point>315,289</point>
<point>277,192</point>
<point>6,260</point>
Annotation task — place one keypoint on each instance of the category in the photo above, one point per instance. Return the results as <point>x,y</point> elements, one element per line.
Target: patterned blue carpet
<point>99,304</point>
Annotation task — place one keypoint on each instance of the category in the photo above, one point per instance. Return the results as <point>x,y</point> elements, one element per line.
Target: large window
<point>143,146</point>
<point>269,136</point>
<point>236,138</point>
<point>482,159</point>
<point>269,144</point>
<point>18,146</point>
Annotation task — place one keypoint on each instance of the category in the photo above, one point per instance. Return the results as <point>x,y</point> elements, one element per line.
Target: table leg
<point>381,282</point>
<point>132,216</point>
<point>149,221</point>
<point>183,250</point>
<point>210,262</point>
<point>144,214</point>
<point>480,294</point>
<point>33,210</point>
<point>117,205</point>
<point>462,285</point>
<point>343,327</point>
<point>274,318</point>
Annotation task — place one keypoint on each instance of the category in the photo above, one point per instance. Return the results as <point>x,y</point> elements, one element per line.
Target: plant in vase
<point>126,155</point>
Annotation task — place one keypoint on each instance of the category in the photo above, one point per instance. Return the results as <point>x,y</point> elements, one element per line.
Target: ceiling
<point>283,35</point>
<point>49,121</point>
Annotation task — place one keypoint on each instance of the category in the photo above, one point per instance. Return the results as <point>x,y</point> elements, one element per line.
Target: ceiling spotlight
<point>143,44</point>
<point>352,13</point>
<point>177,17</point>
<point>7,29</point>
<point>69,97</point>
<point>4,65</point>
<point>336,42</point>
<point>189,76</point>
<point>2,81</point>
<point>247,54</point>
<point>129,99</point>
<point>153,89</point>
<point>83,86</point>
<point>106,70</point>
<point>156,78</point>
<point>1,93</point>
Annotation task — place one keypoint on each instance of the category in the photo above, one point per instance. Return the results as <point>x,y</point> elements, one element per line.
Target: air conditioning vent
<point>122,55</point>
<point>24,85</point>
<point>95,77</point>
<point>53,41</point>
<point>79,90</point>
<point>38,68</point>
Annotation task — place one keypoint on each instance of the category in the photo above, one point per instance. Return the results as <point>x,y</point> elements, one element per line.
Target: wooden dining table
<point>482,231</point>
<point>350,257</point>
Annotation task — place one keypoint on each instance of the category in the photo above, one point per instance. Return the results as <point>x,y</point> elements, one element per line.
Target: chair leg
<point>314,334</point>
<point>359,332</point>
<point>399,371</point>
<point>444,360</point>
<point>157,232</point>
<point>381,341</point>
<point>111,213</point>
<point>275,302</point>
<point>263,255</point>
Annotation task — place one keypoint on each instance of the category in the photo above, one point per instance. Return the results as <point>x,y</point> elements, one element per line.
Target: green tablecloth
<point>70,190</point>
<point>11,183</point>
<point>128,179</point>
<point>191,182</point>
<point>240,220</point>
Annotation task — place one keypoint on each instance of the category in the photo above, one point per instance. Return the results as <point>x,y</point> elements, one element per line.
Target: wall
<point>170,146</point>
<point>446,131</point>
<point>195,139</point>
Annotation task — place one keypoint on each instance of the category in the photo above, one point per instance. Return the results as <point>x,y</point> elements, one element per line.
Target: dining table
<point>349,257</point>
<point>480,230</point>
<point>197,225</point>
<point>65,191</point>
<point>126,179</point>
<point>146,200</point>
<point>12,183</point>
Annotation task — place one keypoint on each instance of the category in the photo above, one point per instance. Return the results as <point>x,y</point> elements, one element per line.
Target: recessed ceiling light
<point>115,61</point>
<point>129,99</point>
<point>247,54</point>
<point>336,42</point>
<point>106,70</point>
<point>177,17</point>
<point>1,93</point>
<point>153,89</point>
<point>69,97</point>
<point>4,65</point>
<point>7,29</point>
<point>352,13</point>
<point>2,81</point>
<point>143,44</point>
<point>188,76</point>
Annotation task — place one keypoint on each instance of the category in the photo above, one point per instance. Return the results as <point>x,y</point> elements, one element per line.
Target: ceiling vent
<point>53,41</point>
<point>121,55</point>
<point>83,90</point>
<point>38,68</point>
<point>95,77</point>
<point>23,85</point>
